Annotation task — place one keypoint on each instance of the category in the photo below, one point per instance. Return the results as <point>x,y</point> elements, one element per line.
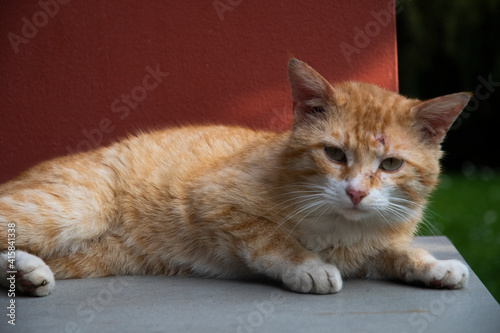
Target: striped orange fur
<point>339,195</point>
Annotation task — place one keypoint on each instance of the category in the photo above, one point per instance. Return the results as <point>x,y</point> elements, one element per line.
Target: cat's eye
<point>335,154</point>
<point>391,164</point>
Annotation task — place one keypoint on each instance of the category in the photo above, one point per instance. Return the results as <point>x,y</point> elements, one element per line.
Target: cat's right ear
<point>311,93</point>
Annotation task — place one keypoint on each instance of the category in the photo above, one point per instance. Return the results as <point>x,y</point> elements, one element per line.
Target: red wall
<point>67,67</point>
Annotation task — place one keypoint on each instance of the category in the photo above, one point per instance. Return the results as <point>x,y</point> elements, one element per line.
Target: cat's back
<point>140,173</point>
<point>161,158</point>
<point>169,158</point>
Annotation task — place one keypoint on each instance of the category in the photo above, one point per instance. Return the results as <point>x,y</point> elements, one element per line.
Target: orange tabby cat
<point>340,195</point>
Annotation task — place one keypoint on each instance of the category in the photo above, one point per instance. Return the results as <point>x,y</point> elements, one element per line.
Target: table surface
<point>189,304</point>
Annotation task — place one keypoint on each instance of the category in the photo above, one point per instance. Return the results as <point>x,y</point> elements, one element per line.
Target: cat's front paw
<point>451,274</point>
<point>313,276</point>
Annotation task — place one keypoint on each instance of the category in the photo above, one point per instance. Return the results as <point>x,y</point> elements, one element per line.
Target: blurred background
<point>446,47</point>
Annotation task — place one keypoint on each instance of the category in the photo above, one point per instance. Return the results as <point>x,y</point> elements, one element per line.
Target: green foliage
<point>451,46</point>
<point>466,209</point>
<point>446,47</point>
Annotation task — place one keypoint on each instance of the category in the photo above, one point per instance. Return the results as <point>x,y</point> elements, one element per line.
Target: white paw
<point>33,276</point>
<point>451,274</point>
<point>313,276</point>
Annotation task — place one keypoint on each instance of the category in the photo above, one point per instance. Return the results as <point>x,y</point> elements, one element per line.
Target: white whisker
<point>316,206</point>
<point>305,203</point>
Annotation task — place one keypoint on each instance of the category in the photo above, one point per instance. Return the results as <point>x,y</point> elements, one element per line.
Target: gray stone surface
<point>173,304</point>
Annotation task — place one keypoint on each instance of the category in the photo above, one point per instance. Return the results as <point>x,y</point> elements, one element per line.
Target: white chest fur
<point>333,232</point>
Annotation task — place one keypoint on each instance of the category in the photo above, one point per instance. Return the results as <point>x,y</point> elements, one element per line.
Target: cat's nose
<point>355,195</point>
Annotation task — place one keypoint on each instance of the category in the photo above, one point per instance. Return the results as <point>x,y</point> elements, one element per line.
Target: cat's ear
<point>434,117</point>
<point>311,93</point>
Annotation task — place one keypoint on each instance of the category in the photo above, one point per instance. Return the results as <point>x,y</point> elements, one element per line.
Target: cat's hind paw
<point>313,276</point>
<point>38,282</point>
<point>33,277</point>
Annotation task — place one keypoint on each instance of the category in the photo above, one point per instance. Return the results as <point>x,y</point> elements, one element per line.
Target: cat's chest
<point>317,243</point>
<point>330,233</point>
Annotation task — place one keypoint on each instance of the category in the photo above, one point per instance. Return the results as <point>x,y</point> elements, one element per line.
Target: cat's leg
<point>55,210</point>
<point>280,256</point>
<point>28,273</point>
<point>415,265</point>
<point>297,270</point>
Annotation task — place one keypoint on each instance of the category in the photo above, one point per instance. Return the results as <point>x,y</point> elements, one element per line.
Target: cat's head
<point>362,152</point>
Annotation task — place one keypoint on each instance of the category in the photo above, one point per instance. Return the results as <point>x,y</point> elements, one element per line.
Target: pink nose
<point>355,195</point>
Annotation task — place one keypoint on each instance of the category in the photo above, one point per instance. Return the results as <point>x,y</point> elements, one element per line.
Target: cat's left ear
<point>311,93</point>
<point>434,117</point>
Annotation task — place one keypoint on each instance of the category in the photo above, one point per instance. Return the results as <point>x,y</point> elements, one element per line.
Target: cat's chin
<point>356,214</point>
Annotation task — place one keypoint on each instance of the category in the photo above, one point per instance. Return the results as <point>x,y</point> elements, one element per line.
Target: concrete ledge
<point>173,304</point>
